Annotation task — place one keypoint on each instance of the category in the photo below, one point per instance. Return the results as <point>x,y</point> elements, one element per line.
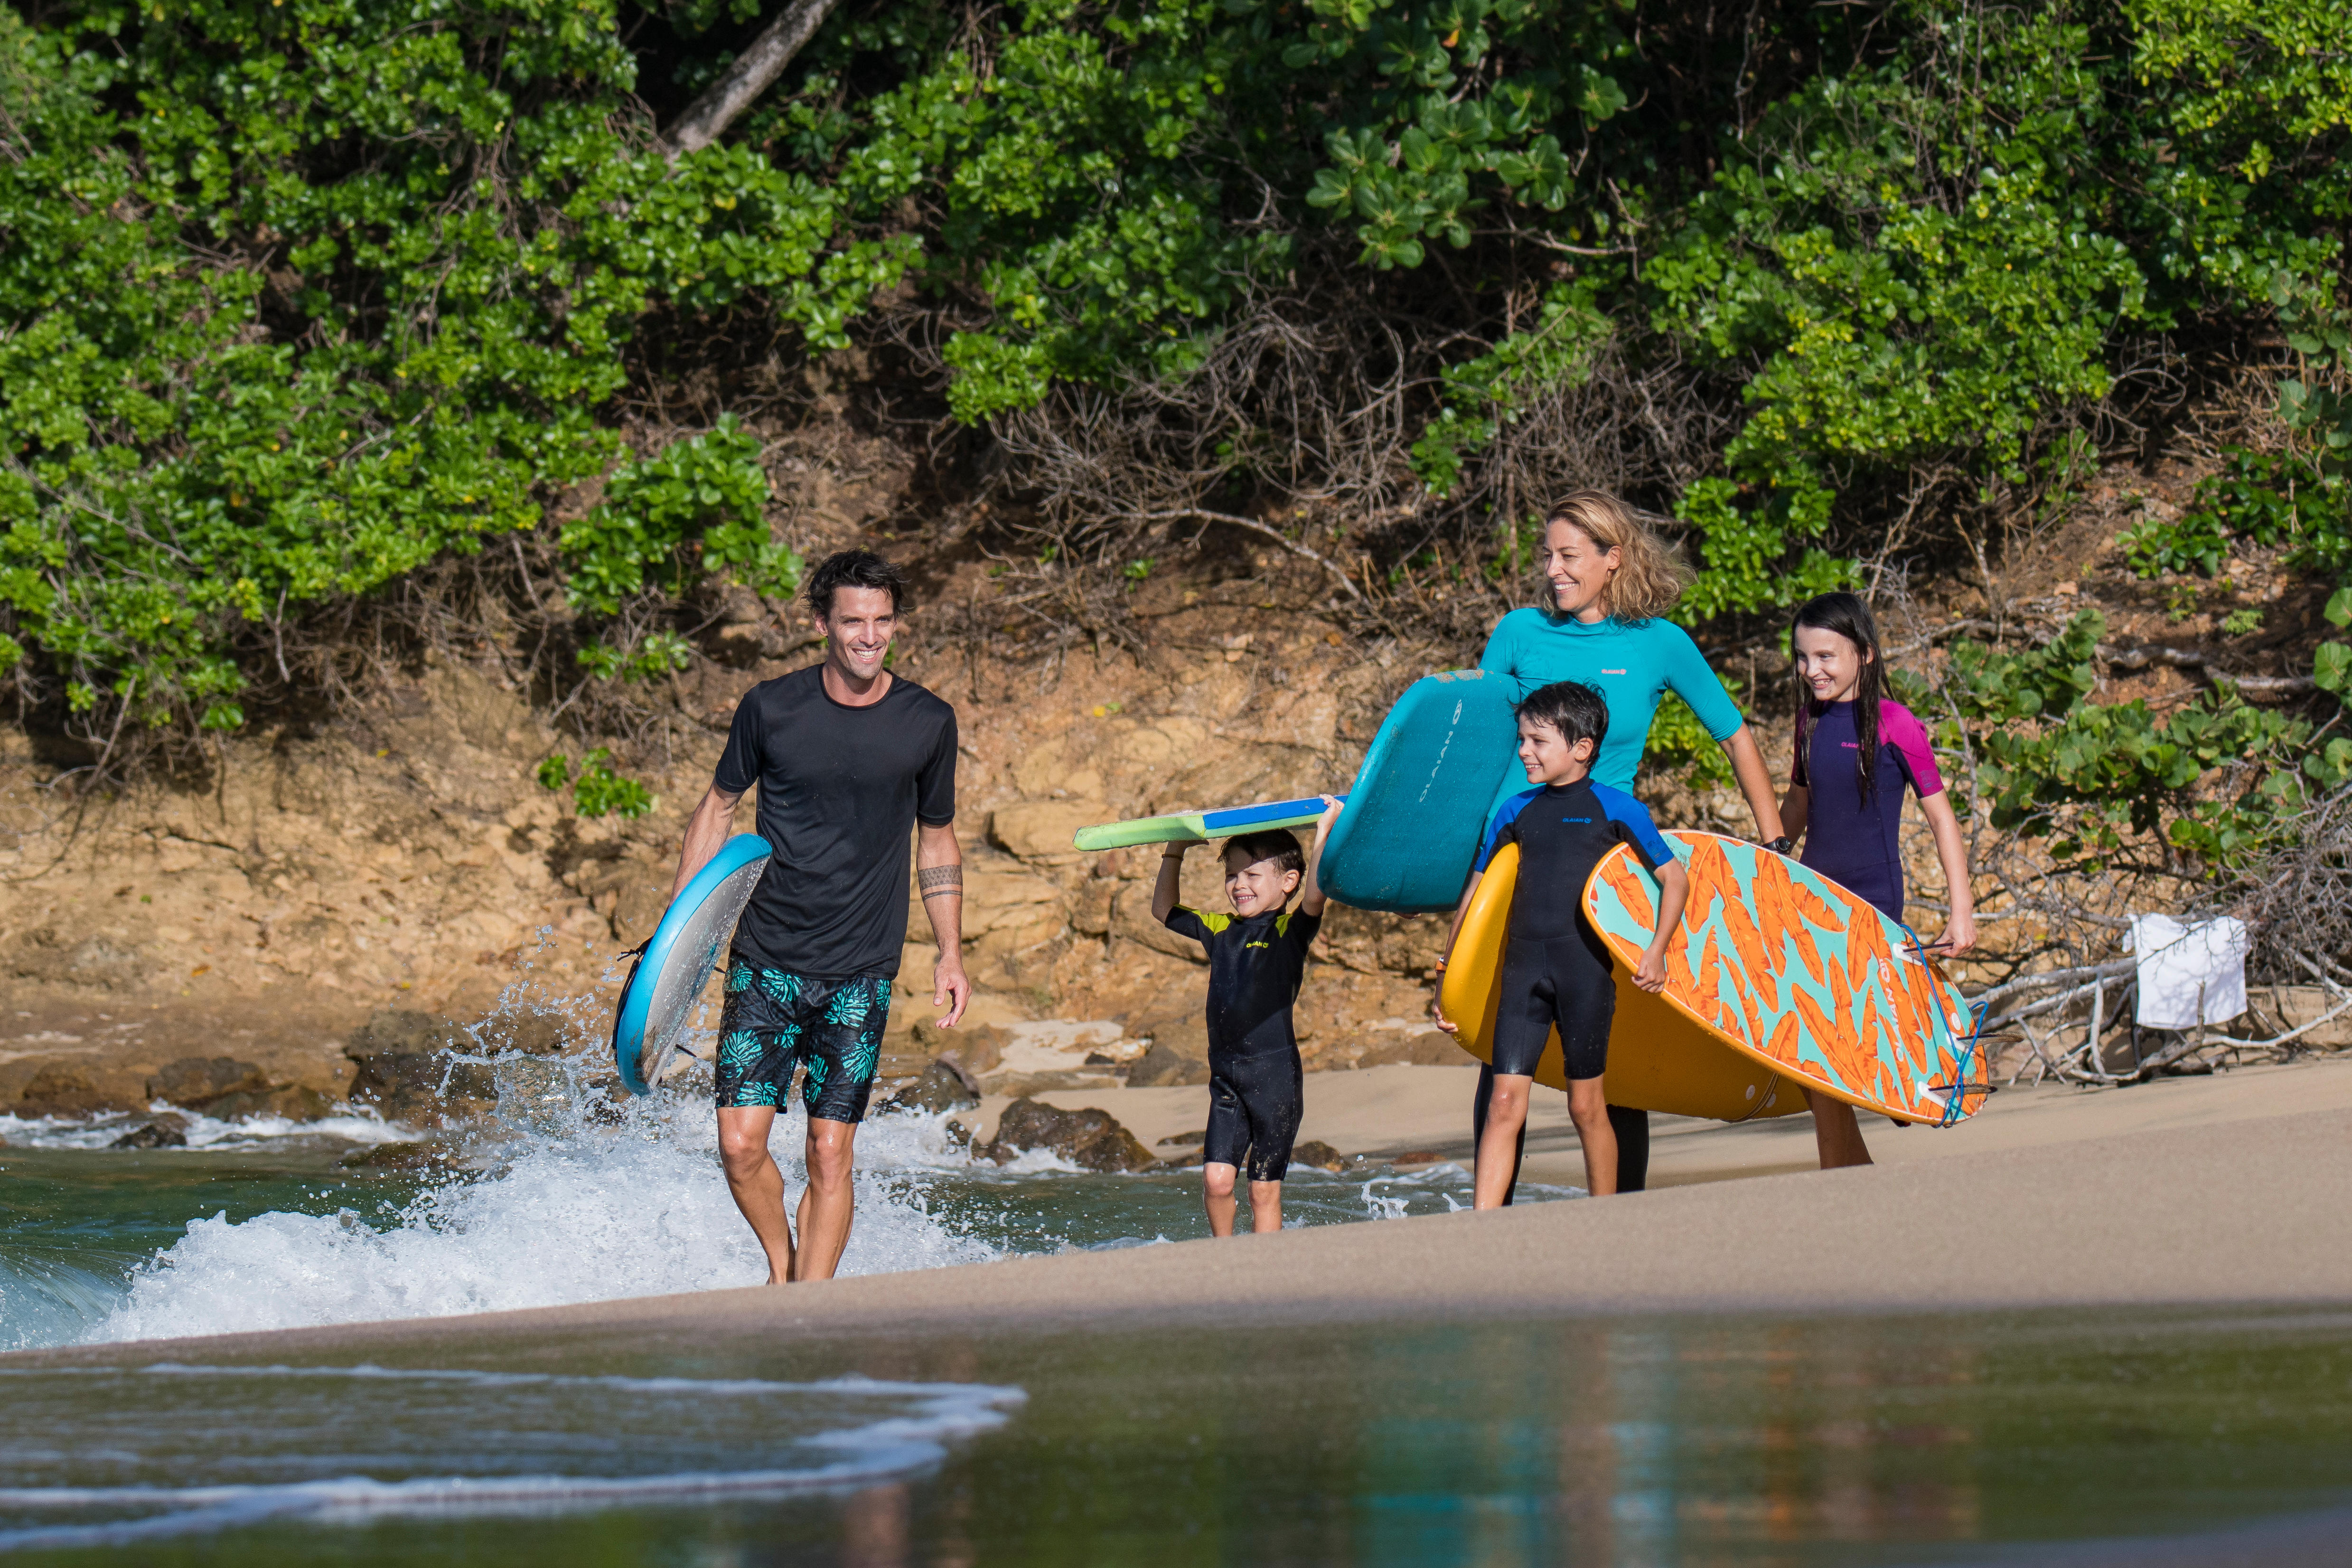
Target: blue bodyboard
<point>1419,802</point>
<point>672,969</point>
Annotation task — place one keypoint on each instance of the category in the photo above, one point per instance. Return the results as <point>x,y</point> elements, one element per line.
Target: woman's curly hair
<point>1651,573</point>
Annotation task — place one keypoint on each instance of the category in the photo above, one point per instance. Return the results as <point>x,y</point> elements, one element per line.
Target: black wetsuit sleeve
<point>1298,930</point>
<point>1188,923</point>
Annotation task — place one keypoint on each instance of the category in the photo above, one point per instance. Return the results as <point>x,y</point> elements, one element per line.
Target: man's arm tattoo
<point>940,882</point>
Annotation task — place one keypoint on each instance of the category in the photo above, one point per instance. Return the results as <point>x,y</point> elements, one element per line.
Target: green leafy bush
<point>596,790</point>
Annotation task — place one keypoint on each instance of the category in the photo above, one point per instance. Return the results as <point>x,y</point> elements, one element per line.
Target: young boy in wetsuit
<point>1257,956</point>
<point>1555,965</point>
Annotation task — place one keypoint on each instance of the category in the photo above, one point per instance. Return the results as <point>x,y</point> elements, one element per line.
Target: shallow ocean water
<point>1754,1443</point>
<point>1758,1442</point>
<point>569,1198</point>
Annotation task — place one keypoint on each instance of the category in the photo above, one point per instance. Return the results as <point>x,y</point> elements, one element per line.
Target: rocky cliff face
<point>403,860</point>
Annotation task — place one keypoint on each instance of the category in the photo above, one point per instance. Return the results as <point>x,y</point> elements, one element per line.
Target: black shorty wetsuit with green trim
<point>1257,1086</point>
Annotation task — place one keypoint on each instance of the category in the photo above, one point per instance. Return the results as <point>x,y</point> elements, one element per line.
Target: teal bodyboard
<point>1200,827</point>
<point>1419,804</point>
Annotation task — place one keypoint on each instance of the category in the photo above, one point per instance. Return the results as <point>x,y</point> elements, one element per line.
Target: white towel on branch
<point>2188,974</point>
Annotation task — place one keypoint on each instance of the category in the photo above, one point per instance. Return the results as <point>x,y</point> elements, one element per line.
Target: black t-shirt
<point>841,789</point>
<point>1255,967</point>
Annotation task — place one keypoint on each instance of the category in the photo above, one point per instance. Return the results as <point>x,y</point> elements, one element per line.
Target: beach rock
<point>1318,1154</point>
<point>406,1071</point>
<point>411,1159</point>
<point>1184,1139</point>
<point>197,1082</point>
<point>1091,1138</point>
<point>227,1089</point>
<point>975,1048</point>
<point>1179,1055</point>
<point>165,1132</point>
<point>941,1088</point>
<point>1429,1047</point>
<point>79,1088</point>
<point>1041,830</point>
<point>294,1101</point>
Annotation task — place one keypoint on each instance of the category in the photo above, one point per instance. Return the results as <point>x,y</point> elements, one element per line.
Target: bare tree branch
<point>751,74</point>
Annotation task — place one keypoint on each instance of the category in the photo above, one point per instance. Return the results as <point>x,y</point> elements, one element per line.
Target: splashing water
<point>624,1201</point>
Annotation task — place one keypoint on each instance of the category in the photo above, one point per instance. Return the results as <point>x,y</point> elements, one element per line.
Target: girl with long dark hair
<point>1856,750</point>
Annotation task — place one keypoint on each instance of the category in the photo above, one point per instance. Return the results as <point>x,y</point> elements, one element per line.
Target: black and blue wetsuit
<point>1555,966</point>
<point>1256,1083</point>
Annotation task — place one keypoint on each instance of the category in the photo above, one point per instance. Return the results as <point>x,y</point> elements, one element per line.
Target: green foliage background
<point>300,296</point>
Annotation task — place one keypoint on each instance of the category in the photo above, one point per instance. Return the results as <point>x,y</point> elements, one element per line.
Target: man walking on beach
<point>848,758</point>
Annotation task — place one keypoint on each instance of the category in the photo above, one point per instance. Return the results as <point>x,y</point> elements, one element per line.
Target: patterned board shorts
<point>776,1021</point>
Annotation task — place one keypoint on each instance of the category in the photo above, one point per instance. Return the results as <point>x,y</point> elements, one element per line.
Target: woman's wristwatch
<point>1781,846</point>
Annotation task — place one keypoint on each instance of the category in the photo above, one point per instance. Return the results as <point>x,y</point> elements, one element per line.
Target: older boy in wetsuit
<point>1257,957</point>
<point>1555,965</point>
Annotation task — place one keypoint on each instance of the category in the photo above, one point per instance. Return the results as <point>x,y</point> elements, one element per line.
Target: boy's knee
<point>1218,1180</point>
<point>1508,1102</point>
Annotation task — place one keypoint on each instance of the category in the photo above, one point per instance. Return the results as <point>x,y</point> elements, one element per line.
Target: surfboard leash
<point>1955,1094</point>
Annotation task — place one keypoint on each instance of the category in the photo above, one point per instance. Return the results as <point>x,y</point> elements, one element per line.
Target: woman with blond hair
<point>1612,580</point>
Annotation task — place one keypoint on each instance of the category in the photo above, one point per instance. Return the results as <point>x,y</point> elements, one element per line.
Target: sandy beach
<point>2207,1191</point>
<point>1391,1110</point>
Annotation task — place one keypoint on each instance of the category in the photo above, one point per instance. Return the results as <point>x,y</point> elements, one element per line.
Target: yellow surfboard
<point>1659,1059</point>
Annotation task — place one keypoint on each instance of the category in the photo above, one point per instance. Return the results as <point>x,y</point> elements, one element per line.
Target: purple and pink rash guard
<point>1853,841</point>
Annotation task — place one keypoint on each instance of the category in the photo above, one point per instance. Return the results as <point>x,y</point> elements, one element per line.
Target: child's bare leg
<point>1266,1206</point>
<point>1588,1107</point>
<point>1217,1197</point>
<point>1498,1144</point>
<point>1836,1133</point>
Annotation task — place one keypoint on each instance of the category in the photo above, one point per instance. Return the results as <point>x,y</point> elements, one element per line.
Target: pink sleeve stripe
<point>1898,728</point>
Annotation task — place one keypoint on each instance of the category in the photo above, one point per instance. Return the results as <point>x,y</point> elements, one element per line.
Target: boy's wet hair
<point>1575,710</point>
<point>1278,844</point>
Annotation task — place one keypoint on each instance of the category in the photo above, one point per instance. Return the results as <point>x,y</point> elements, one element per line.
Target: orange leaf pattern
<point>1797,973</point>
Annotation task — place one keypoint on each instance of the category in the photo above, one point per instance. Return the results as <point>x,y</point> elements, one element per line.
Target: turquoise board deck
<point>1419,804</point>
<point>1200,827</point>
<point>671,969</point>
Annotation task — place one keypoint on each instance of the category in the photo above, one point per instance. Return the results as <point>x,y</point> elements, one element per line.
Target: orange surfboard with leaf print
<point>1785,969</point>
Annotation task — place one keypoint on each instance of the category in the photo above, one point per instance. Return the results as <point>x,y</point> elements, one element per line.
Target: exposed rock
<point>1179,1055</point>
<point>76,1089</point>
<point>1319,1154</point>
<point>1091,1138</point>
<point>197,1082</point>
<point>417,1158</point>
<point>46,954</point>
<point>294,1101</point>
<point>1041,830</point>
<point>1131,918</point>
<point>941,1088</point>
<point>1429,1047</point>
<point>406,1070</point>
<point>1184,1139</point>
<point>975,1048</point>
<point>227,1089</point>
<point>165,1132</point>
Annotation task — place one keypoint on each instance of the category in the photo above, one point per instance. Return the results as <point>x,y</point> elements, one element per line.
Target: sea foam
<point>583,1201</point>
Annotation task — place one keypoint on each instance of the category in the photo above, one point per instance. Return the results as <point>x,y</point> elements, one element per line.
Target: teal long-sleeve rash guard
<point>1633,664</point>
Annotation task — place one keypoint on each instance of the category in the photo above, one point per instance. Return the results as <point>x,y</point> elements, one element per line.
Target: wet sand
<point>2202,1197</point>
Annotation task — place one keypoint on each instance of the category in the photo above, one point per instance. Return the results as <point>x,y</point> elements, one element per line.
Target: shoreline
<point>2222,1209</point>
